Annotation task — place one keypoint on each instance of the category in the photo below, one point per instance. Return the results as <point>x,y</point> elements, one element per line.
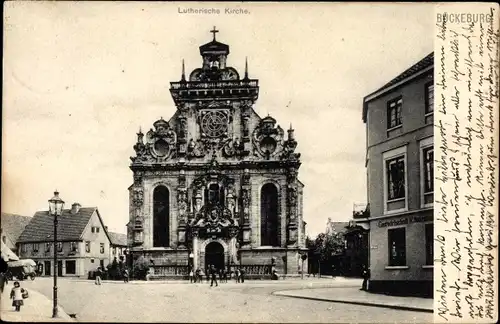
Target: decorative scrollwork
<point>137,195</point>
<point>195,149</point>
<point>232,148</point>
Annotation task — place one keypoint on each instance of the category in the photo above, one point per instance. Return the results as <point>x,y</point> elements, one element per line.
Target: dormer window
<point>95,229</point>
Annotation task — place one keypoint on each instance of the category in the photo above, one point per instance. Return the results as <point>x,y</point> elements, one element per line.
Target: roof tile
<point>118,238</point>
<point>70,226</point>
<point>13,225</point>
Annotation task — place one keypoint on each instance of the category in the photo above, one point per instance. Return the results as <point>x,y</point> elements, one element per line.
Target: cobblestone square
<point>252,301</point>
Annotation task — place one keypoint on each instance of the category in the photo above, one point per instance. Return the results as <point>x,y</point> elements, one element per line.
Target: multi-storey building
<point>83,243</point>
<point>399,165</point>
<point>216,184</point>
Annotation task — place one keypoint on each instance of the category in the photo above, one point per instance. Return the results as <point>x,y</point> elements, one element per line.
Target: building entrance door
<point>214,255</point>
<point>46,266</point>
<point>59,268</point>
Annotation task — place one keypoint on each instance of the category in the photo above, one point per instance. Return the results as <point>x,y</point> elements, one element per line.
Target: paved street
<point>230,302</point>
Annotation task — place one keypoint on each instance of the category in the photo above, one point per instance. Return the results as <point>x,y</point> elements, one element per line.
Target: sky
<point>81,78</point>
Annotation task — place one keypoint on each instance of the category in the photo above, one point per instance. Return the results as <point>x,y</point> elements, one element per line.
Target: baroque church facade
<point>216,184</point>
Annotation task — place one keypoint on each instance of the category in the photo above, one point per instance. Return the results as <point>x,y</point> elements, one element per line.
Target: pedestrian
<point>237,275</point>
<point>242,275</point>
<point>220,274</point>
<point>207,273</point>
<point>17,295</point>
<point>224,275</point>
<point>3,281</point>
<point>366,277</point>
<point>213,276</point>
<point>125,275</point>
<point>191,276</point>
<point>274,275</point>
<point>98,275</point>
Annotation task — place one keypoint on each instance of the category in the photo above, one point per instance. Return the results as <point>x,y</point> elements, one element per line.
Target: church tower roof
<point>214,47</point>
<point>214,79</point>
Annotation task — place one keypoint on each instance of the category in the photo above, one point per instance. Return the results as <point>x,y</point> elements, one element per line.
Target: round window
<point>268,145</point>
<point>161,147</point>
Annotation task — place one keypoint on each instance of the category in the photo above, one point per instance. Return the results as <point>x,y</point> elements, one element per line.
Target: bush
<point>141,268</point>
<point>114,270</point>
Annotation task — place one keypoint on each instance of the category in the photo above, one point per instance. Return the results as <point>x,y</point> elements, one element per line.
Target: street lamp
<point>56,205</point>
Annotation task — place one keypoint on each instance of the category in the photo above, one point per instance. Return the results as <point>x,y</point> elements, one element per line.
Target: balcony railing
<point>214,84</point>
<point>258,271</point>
<point>361,211</point>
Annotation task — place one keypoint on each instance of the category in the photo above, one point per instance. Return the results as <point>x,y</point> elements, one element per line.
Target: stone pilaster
<point>292,206</point>
<point>246,202</point>
<point>182,209</point>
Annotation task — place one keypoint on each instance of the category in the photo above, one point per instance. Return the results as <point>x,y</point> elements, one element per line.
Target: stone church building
<point>216,184</point>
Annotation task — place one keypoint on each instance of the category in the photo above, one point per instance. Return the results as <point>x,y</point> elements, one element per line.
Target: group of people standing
<point>99,274</point>
<point>212,273</point>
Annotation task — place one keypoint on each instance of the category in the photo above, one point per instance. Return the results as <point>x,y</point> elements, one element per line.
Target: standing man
<point>237,275</point>
<point>191,276</point>
<point>98,275</point>
<point>242,275</point>
<point>125,275</point>
<point>366,277</point>
<point>213,276</point>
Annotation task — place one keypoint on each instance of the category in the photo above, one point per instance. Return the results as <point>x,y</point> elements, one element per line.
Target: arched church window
<point>161,217</point>
<point>269,223</point>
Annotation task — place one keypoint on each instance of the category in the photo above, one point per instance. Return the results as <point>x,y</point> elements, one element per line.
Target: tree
<point>324,247</point>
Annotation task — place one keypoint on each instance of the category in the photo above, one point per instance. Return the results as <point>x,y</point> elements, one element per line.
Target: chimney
<point>75,208</point>
<point>106,228</point>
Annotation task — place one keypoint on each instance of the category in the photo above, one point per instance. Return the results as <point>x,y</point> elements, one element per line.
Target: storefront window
<point>397,247</point>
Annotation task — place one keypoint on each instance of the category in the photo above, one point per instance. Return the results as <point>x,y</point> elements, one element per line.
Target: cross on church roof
<point>213,31</point>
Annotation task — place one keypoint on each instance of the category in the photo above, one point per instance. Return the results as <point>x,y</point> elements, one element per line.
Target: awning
<point>21,263</point>
<point>7,254</point>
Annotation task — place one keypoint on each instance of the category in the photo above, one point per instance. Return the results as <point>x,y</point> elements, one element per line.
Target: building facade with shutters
<point>400,174</point>
<point>83,243</point>
<point>216,184</point>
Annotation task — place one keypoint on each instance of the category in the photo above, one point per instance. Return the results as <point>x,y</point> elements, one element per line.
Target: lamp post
<point>56,205</point>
